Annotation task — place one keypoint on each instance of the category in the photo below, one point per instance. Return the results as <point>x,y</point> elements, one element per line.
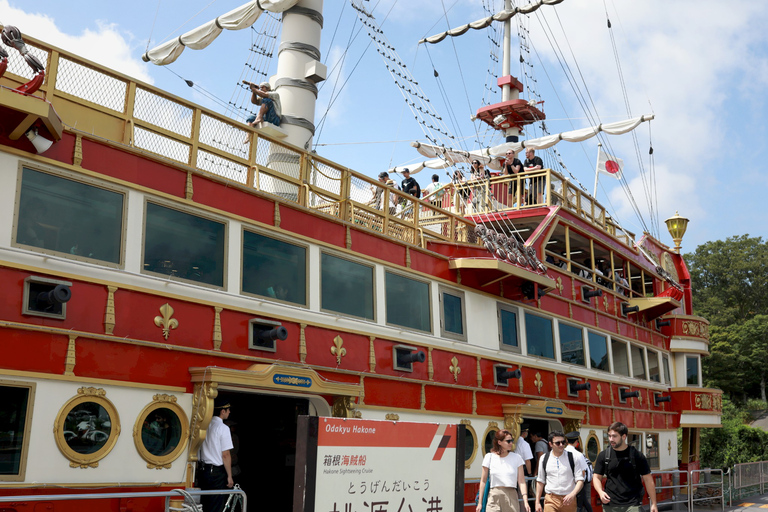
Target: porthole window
<point>87,428</point>
<point>488,437</point>
<point>161,431</point>
<point>470,444</point>
<point>593,446</point>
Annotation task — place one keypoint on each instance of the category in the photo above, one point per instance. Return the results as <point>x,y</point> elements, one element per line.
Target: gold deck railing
<point>92,99</point>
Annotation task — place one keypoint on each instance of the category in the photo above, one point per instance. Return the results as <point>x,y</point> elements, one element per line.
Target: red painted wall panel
<point>392,393</point>
<point>458,401</point>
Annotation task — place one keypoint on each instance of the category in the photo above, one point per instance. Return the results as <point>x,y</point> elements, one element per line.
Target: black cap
<point>384,174</point>
<point>572,436</point>
<point>221,403</point>
<point>524,427</point>
<point>406,170</point>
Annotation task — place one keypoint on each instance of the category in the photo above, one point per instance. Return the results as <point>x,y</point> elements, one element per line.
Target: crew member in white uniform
<point>215,459</point>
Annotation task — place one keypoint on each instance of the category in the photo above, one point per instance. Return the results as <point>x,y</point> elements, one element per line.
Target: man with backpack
<point>561,475</point>
<point>625,470</point>
<point>583,501</point>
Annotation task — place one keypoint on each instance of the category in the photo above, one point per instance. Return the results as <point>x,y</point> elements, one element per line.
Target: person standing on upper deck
<point>534,163</point>
<point>409,185</point>
<point>512,166</point>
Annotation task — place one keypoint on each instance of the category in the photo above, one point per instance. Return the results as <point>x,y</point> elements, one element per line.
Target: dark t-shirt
<point>509,166</point>
<point>623,484</point>
<point>533,162</point>
<point>411,186</point>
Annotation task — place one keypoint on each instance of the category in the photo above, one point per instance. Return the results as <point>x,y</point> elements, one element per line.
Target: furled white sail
<point>197,39</point>
<point>484,22</point>
<point>444,157</point>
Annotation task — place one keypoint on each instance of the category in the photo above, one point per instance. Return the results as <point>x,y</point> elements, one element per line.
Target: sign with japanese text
<point>354,465</point>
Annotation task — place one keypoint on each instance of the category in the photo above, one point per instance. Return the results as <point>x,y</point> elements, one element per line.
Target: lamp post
<point>677,226</point>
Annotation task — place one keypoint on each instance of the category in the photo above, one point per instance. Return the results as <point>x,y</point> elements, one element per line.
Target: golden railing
<point>94,100</point>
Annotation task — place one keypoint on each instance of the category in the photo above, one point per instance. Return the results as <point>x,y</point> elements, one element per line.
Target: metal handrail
<point>693,486</point>
<point>116,495</point>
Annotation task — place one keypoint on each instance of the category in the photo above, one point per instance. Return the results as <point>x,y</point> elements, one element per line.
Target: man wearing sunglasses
<point>561,475</point>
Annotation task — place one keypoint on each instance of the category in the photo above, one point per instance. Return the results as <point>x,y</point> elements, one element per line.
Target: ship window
<point>571,344</point>
<point>652,454</point>
<point>620,359</point>
<point>598,352</point>
<point>407,302</point>
<point>163,426</point>
<point>638,362</point>
<point>69,218</point>
<point>692,371</point>
<point>653,366</point>
<point>488,438</point>
<point>274,269</point>
<point>346,287</point>
<point>593,447</point>
<point>87,427</point>
<point>508,328</point>
<point>185,246</point>
<point>15,420</point>
<point>538,335</point>
<point>470,444</point>
<point>667,375</point>
<point>452,310</point>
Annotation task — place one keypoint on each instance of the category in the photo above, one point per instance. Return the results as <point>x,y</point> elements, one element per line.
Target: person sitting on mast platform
<point>270,109</point>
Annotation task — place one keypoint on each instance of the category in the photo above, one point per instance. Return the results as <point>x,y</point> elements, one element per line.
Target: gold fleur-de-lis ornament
<point>337,349</point>
<point>165,321</point>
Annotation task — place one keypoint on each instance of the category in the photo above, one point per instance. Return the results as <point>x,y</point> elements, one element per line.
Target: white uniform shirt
<point>503,470</point>
<point>217,440</point>
<point>523,449</point>
<point>560,478</point>
<point>576,454</point>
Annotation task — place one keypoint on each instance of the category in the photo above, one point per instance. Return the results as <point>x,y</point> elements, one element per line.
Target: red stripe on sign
<point>351,432</point>
<point>444,442</point>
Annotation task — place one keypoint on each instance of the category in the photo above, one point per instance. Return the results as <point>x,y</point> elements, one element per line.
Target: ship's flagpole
<point>597,168</point>
<point>505,59</point>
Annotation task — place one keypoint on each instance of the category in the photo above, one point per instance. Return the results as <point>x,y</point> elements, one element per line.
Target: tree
<point>729,279</point>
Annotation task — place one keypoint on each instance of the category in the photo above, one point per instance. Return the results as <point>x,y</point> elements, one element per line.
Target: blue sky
<point>699,67</point>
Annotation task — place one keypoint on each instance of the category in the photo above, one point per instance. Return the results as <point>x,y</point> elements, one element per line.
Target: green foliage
<point>733,443</point>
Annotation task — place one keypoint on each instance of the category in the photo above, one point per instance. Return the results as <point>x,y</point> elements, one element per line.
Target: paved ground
<point>756,503</point>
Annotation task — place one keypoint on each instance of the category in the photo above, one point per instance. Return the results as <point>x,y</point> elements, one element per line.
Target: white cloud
<point>106,45</point>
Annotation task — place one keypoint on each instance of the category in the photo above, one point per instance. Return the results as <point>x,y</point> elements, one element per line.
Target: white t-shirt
<point>217,440</point>
<point>503,470</point>
<point>523,449</point>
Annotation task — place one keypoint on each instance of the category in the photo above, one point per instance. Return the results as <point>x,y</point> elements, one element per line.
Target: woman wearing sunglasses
<point>505,469</point>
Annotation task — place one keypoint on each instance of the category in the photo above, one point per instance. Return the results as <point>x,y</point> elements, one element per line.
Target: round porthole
<point>161,432</point>
<point>87,428</point>
<point>593,447</point>
<point>488,437</point>
<point>470,444</point>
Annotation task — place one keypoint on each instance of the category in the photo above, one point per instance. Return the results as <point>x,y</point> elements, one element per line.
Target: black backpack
<point>570,461</point>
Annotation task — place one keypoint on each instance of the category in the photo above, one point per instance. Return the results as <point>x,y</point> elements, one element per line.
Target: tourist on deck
<point>378,191</point>
<point>435,197</point>
<point>270,109</point>
<point>479,176</point>
<point>410,185</point>
<point>512,166</point>
<point>535,163</point>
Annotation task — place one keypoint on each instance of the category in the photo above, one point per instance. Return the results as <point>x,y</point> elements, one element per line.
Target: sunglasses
<point>507,440</point>
<point>560,443</point>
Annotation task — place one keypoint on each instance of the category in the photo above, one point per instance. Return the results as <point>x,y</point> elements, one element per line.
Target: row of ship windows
<point>77,219</point>
<point>87,427</point>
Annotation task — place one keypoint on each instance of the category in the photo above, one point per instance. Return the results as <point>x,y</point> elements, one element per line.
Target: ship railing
<point>749,478</point>
<point>174,495</point>
<point>95,102</point>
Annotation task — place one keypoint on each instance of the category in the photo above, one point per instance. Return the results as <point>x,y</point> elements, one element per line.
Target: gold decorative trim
<point>454,368</point>
<point>109,314</point>
<point>560,285</point>
<point>217,328</point>
<point>338,350</point>
<point>430,365</point>
<point>605,303</point>
<point>407,257</point>
<point>423,396</point>
<point>302,344</point>
<point>543,409</point>
<point>570,310</point>
<point>492,427</point>
<point>669,446</point>
<point>479,374</point>
<point>599,392</point>
<point>557,388</point>
<point>277,219</point>
<point>165,321</point>
<point>538,382</point>
<point>592,435</point>
<point>468,426</point>
<point>86,460</point>
<point>371,355</point>
<point>161,401</point>
<point>202,412</point>
<point>474,401</point>
<point>392,416</point>
<point>77,153</point>
<point>342,407</point>
<point>458,276</point>
<point>189,190</point>
<point>348,239</point>
<point>71,360</point>
<point>361,398</point>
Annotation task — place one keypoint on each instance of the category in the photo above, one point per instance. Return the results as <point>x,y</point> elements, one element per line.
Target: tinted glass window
<point>275,269</point>
<point>407,302</point>
<point>161,431</point>
<point>182,245</point>
<point>13,415</point>
<point>692,371</point>
<point>538,334</point>
<point>592,449</point>
<point>571,344</point>
<point>653,366</point>
<point>598,352</point>
<point>508,321</point>
<point>452,314</point>
<point>469,444</point>
<point>620,359</point>
<point>347,287</point>
<point>87,427</point>
<point>69,217</point>
<point>667,376</point>
<point>638,362</point>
